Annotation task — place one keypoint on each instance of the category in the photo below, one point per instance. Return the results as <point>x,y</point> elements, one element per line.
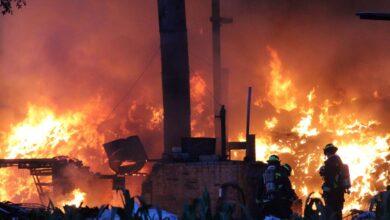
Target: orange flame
<point>362,145</point>
<point>40,134</point>
<point>200,121</point>
<point>77,198</point>
<point>45,134</point>
<point>280,88</point>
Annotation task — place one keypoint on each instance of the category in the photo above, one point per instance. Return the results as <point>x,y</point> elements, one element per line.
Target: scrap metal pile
<point>131,210</point>
<point>314,209</point>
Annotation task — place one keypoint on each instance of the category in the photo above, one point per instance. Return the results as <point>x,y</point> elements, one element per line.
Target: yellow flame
<point>77,198</point>
<point>362,144</point>
<point>311,95</point>
<point>271,123</point>
<point>46,134</point>
<point>199,122</point>
<point>303,127</point>
<point>40,134</point>
<point>280,89</point>
<point>157,117</point>
<point>304,191</point>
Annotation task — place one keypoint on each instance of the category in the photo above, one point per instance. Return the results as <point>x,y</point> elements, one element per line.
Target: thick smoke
<point>68,52</point>
<point>321,44</point>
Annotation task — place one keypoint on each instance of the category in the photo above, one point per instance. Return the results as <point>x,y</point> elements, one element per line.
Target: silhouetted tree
<point>6,5</point>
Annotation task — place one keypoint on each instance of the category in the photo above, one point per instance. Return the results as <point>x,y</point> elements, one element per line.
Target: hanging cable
<point>142,73</point>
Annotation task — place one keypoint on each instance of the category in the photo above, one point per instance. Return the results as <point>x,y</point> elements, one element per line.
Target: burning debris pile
<point>200,208</point>
<point>65,180</point>
<point>300,125</point>
<point>43,134</point>
<point>296,126</point>
<point>51,175</point>
<point>292,118</point>
<point>131,209</point>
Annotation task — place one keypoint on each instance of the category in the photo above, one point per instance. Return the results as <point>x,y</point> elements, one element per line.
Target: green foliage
<point>114,210</point>
<point>246,212</point>
<point>128,211</point>
<point>143,210</point>
<point>128,205</point>
<point>225,211</point>
<point>7,5</point>
<point>201,209</point>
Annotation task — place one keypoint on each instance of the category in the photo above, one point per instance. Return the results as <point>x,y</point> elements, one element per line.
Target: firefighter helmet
<point>273,158</point>
<point>330,148</point>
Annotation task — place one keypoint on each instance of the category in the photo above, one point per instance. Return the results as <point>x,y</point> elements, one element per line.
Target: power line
<point>128,92</point>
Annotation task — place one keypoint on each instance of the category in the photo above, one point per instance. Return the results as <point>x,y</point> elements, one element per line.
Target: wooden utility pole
<point>248,113</point>
<point>175,72</point>
<point>250,138</point>
<point>217,22</point>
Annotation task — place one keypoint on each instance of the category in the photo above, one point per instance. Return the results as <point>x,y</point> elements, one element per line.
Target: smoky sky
<point>69,51</point>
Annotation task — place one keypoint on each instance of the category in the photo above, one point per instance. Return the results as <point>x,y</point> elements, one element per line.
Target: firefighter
<point>275,191</point>
<point>333,187</point>
<point>287,169</point>
<point>291,195</point>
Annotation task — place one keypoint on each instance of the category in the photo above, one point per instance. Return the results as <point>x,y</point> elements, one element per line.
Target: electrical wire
<point>140,75</point>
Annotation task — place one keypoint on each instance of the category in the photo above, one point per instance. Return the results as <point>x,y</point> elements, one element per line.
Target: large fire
<point>362,144</point>
<point>46,134</point>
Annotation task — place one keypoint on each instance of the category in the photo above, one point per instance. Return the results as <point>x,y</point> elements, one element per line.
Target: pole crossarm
<point>374,16</point>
